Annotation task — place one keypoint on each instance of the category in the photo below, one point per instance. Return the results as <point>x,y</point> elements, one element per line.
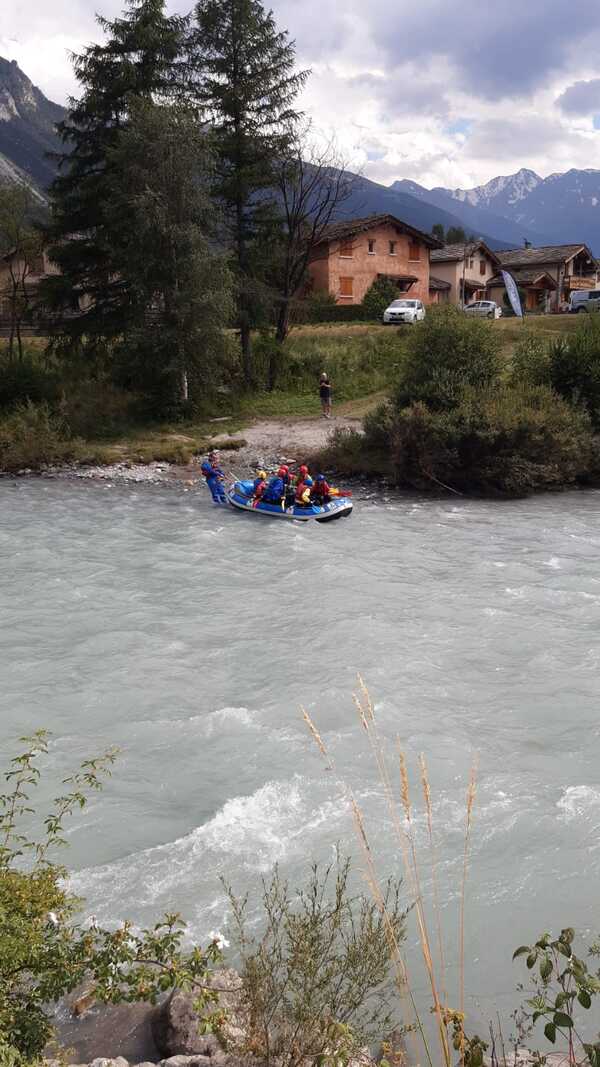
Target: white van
<point>580,297</point>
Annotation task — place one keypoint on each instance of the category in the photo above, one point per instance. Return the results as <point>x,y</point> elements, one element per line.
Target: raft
<point>240,494</point>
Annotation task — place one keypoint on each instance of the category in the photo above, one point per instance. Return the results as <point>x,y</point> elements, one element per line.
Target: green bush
<point>312,312</point>
<point>446,354</point>
<point>317,982</point>
<point>510,440</point>
<point>31,436</point>
<point>570,366</point>
<point>27,379</point>
<point>379,297</point>
<point>575,366</point>
<point>531,362</point>
<point>45,951</point>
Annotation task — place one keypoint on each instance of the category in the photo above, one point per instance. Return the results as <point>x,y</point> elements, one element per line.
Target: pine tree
<point>180,283</point>
<point>246,82</point>
<point>139,60</point>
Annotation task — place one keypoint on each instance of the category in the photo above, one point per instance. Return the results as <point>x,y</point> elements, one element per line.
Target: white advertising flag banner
<point>513,293</point>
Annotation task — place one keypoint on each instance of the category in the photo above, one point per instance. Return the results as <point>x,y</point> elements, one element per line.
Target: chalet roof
<point>527,257</point>
<point>438,284</point>
<point>525,277</point>
<point>457,252</point>
<point>349,227</point>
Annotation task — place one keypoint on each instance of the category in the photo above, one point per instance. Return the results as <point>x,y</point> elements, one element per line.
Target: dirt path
<point>272,439</point>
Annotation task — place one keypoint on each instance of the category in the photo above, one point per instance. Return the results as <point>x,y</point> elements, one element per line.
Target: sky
<point>443,92</point>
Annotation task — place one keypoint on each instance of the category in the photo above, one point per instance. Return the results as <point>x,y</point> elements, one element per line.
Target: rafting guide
<point>282,494</point>
<point>215,479</point>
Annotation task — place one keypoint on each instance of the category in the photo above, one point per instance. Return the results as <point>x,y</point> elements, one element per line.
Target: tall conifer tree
<point>246,82</point>
<point>139,60</point>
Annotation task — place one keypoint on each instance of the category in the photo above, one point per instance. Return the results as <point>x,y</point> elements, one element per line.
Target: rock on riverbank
<point>140,1035</point>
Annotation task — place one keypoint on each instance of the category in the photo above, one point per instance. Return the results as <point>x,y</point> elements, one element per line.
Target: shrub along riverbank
<point>469,412</point>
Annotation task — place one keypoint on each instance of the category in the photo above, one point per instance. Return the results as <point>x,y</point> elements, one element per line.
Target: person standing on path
<point>325,395</point>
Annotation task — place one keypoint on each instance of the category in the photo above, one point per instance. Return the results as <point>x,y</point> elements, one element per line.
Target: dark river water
<point>189,637</point>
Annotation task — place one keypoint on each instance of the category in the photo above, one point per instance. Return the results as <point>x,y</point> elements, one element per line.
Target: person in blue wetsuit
<point>274,492</point>
<point>214,477</point>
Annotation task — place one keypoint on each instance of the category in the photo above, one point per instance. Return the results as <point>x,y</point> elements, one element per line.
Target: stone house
<point>351,255</point>
<point>466,268</point>
<point>569,267</point>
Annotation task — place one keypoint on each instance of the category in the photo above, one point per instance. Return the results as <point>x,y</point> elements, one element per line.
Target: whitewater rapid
<point>143,617</point>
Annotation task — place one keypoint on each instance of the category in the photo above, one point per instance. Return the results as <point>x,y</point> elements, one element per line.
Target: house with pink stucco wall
<point>351,255</point>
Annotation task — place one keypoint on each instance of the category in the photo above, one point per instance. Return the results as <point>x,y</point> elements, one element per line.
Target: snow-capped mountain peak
<point>507,189</point>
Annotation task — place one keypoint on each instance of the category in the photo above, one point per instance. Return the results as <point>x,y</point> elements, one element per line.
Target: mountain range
<point>505,212</point>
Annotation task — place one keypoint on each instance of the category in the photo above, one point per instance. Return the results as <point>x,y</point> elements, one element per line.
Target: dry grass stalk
<point>401,816</point>
<point>434,880</point>
<point>471,789</point>
<point>438,1007</point>
<point>316,737</point>
<point>398,959</point>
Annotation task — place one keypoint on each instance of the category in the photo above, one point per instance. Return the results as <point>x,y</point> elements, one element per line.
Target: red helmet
<point>282,471</point>
<point>303,469</point>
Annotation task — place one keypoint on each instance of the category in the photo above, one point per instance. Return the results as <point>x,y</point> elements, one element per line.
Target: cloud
<point>581,98</point>
<point>444,93</point>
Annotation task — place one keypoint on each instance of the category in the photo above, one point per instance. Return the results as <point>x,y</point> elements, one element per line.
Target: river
<point>189,637</point>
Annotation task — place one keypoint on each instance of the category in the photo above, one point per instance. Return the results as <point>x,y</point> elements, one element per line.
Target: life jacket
<point>259,487</point>
<point>211,472</point>
<point>274,491</point>
<point>320,489</point>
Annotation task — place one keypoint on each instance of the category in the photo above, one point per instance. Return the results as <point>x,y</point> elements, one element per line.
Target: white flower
<point>92,922</point>
<point>219,940</point>
<point>53,918</point>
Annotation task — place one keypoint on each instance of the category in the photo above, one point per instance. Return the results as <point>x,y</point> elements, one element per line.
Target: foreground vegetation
<point>316,986</point>
<point>479,409</point>
<point>322,975</point>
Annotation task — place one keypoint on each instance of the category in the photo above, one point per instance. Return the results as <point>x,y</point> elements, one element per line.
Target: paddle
<point>340,492</point>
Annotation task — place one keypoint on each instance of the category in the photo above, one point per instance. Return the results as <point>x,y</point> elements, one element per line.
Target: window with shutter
<point>414,250</point>
<point>346,248</point>
<point>482,266</point>
<point>346,286</point>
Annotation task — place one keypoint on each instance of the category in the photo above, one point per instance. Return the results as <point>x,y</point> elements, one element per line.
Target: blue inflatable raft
<point>240,494</point>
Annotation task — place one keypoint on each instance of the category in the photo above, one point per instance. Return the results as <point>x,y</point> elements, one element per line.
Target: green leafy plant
<point>45,951</point>
<point>378,297</point>
<point>317,983</point>
<point>448,354</point>
<point>563,986</point>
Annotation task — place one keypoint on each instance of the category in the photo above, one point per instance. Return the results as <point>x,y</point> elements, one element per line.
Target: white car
<point>584,300</point>
<point>404,311</point>
<point>484,309</point>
